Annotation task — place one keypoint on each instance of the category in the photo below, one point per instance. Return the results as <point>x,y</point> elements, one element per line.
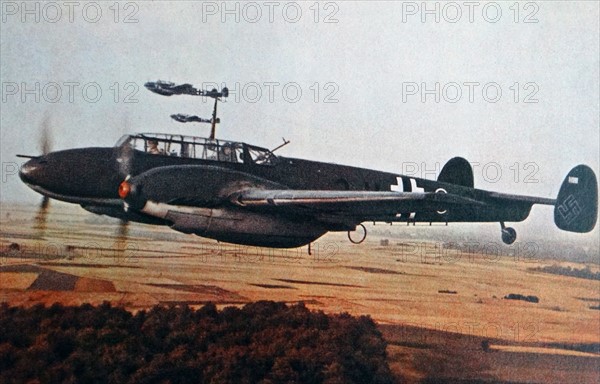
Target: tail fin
<point>576,208</point>
<point>457,171</point>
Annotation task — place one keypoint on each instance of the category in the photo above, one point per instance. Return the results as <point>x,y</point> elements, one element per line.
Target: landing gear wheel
<point>509,235</point>
<point>361,238</point>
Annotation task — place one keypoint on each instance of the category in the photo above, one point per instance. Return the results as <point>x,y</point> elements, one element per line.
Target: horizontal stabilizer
<point>576,208</point>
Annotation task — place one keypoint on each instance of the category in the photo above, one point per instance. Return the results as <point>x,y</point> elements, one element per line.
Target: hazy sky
<point>381,66</point>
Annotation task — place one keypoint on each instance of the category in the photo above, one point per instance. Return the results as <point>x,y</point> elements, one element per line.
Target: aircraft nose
<point>31,170</point>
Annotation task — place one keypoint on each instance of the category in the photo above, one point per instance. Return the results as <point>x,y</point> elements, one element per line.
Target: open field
<point>437,306</point>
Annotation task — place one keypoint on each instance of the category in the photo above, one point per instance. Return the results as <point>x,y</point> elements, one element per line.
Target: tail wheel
<point>509,235</point>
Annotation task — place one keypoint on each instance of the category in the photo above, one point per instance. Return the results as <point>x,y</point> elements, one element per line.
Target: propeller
<point>45,140</point>
<point>125,160</point>
<point>125,169</point>
<point>45,145</point>
<point>123,230</point>
<point>121,244</point>
<point>125,152</point>
<point>40,216</point>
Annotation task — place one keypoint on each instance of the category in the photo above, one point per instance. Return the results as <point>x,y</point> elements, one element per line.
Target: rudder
<point>457,171</point>
<point>576,208</point>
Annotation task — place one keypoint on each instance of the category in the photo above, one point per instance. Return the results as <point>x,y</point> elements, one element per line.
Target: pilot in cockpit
<point>153,148</point>
<point>228,153</point>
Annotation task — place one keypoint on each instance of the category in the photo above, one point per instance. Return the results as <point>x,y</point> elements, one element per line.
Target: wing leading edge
<point>350,202</point>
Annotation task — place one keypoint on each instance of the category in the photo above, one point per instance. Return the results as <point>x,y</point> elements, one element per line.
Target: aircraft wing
<point>358,206</point>
<point>350,202</point>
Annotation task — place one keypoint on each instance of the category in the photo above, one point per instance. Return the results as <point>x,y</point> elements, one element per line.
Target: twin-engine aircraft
<point>240,193</point>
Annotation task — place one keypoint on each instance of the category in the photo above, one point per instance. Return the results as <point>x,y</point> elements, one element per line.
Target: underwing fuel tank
<point>238,226</point>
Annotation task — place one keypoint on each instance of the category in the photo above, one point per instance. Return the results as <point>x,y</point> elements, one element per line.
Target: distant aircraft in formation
<point>182,118</point>
<point>241,193</point>
<point>166,88</point>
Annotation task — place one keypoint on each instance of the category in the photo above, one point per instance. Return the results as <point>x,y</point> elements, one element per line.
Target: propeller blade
<point>121,242</point>
<point>45,139</point>
<point>40,216</point>
<point>45,147</point>
<point>45,203</point>
<point>123,231</point>
<point>125,159</point>
<point>126,153</point>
